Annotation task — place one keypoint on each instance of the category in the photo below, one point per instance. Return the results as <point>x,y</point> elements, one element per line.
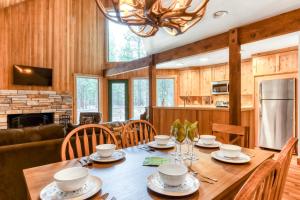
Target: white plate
<point>117,155</point>
<point>243,158</point>
<point>91,187</point>
<point>200,143</point>
<point>190,186</point>
<point>154,144</point>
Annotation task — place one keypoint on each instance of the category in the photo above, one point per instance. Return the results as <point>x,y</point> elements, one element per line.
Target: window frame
<point>78,75</point>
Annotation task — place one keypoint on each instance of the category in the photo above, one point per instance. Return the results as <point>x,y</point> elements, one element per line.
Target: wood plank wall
<point>65,35</point>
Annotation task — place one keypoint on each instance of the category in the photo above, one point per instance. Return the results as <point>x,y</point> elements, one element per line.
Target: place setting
<point>207,141</point>
<point>107,153</point>
<point>173,179</point>
<point>72,183</point>
<point>161,142</point>
<point>231,154</point>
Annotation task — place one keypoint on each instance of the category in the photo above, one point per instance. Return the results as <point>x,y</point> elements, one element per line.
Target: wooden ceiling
<point>7,3</point>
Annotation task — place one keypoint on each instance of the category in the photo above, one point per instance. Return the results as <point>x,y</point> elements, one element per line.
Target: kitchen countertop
<point>203,107</point>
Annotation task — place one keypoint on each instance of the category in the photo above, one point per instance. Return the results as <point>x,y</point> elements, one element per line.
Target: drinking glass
<point>180,137</point>
<point>191,134</point>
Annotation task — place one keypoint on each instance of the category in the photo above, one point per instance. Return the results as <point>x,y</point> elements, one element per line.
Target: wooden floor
<point>292,187</point>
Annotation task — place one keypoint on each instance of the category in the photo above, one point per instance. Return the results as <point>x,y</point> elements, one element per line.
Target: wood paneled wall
<point>65,35</point>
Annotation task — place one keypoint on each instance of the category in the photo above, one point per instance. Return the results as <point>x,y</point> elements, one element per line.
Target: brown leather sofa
<point>26,148</point>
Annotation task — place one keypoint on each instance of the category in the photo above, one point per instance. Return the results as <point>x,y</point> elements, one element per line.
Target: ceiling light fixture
<point>145,17</point>
<point>220,13</point>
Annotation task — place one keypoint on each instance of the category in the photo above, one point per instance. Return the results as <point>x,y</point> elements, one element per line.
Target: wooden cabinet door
<point>194,83</point>
<point>218,73</point>
<point>205,82</point>
<point>183,83</point>
<point>265,65</point>
<point>288,61</point>
<point>247,79</point>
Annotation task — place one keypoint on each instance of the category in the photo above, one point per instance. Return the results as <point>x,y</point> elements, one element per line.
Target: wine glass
<point>180,137</point>
<point>191,134</point>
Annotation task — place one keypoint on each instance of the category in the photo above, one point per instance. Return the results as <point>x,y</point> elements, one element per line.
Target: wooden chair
<point>103,135</point>
<point>261,185</point>
<point>226,132</point>
<point>284,160</point>
<point>137,132</point>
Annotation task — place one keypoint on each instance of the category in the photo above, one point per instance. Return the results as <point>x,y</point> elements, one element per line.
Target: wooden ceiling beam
<point>123,67</point>
<point>202,46</point>
<point>274,26</point>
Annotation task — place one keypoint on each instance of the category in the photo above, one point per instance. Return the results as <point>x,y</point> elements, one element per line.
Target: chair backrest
<point>137,132</point>
<point>226,130</point>
<point>261,185</point>
<point>284,160</point>
<point>82,134</point>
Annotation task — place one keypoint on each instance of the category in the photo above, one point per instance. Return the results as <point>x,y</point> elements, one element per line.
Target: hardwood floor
<point>292,186</point>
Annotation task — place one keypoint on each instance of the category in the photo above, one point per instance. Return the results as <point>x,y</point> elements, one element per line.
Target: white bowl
<point>172,174</point>
<point>71,179</point>
<point>105,150</point>
<point>208,139</point>
<point>231,151</point>
<point>162,139</point>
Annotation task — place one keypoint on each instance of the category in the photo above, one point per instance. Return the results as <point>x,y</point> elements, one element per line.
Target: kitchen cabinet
<point>264,65</point>
<point>189,81</point>
<point>284,62</point>
<point>205,81</point>
<point>219,73</point>
<point>288,61</point>
<point>247,79</point>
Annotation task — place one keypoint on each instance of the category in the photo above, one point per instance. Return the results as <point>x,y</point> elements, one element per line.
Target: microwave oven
<point>220,87</point>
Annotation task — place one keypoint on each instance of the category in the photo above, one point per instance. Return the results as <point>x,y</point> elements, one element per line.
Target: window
<point>87,94</point>
<point>123,45</point>
<point>140,97</point>
<point>165,91</point>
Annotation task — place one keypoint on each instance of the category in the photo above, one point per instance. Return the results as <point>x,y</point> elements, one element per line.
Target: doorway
<point>118,100</point>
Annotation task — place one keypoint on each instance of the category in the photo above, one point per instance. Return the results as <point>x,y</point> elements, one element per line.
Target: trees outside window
<point>123,45</point>
<point>165,91</point>
<point>140,97</point>
<point>87,95</point>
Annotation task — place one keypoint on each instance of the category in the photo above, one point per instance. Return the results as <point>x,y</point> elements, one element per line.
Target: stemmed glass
<point>180,137</point>
<point>191,134</point>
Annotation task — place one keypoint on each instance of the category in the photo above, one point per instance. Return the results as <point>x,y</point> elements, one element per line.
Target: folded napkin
<point>155,161</point>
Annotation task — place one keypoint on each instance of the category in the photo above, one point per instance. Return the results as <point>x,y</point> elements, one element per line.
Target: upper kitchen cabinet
<point>284,62</point>
<point>205,81</point>
<point>219,73</point>
<point>247,79</point>
<point>189,81</point>
<point>263,65</point>
<point>288,61</point>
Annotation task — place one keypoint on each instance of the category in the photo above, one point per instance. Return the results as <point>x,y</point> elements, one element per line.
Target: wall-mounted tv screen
<point>25,75</point>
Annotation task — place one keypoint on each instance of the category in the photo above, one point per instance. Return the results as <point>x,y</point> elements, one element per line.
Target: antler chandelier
<point>145,17</point>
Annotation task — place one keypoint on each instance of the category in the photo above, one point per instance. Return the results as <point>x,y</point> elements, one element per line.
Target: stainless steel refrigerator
<point>277,112</point>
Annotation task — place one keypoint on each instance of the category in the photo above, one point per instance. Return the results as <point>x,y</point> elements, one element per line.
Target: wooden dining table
<point>127,179</point>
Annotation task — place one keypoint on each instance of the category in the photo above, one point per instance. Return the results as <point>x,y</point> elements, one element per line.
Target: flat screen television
<point>26,75</point>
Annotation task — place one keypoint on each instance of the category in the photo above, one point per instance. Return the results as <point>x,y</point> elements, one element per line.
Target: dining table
<point>127,179</point>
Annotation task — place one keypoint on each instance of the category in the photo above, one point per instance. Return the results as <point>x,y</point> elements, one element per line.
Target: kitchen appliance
<point>224,104</point>
<point>277,112</point>
<point>220,87</point>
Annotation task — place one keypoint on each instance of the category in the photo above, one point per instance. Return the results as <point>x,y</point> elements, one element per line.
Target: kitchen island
<point>206,115</point>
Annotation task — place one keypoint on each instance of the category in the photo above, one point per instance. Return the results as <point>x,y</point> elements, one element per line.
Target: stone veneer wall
<point>33,101</point>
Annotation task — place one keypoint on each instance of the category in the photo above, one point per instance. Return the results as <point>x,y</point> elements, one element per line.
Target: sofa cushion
<point>31,134</point>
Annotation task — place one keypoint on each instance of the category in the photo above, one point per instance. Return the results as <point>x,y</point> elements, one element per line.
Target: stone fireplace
<point>20,108</point>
